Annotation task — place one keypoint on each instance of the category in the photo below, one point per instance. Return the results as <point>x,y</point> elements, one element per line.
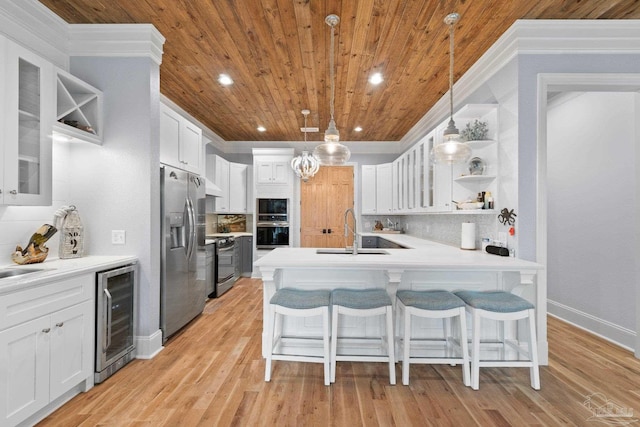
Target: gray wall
<point>591,209</point>
<point>124,190</point>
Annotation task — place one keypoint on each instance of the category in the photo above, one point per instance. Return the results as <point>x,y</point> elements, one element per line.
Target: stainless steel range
<point>227,261</point>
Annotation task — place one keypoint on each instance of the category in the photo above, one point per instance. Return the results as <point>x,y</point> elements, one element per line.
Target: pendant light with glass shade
<point>452,149</point>
<point>331,152</point>
<point>305,165</point>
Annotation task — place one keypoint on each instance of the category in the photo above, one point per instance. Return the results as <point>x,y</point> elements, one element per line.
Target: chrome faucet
<point>346,229</point>
<point>390,224</point>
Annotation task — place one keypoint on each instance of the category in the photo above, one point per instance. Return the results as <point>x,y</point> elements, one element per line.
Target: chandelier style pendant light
<point>452,149</point>
<point>332,152</point>
<point>305,165</point>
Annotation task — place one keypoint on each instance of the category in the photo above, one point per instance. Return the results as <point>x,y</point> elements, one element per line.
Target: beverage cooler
<point>115,319</point>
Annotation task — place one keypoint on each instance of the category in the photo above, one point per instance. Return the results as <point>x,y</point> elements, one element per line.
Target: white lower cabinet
<point>46,346</point>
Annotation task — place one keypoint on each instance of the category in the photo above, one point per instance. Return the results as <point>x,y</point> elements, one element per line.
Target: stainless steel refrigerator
<point>182,279</point>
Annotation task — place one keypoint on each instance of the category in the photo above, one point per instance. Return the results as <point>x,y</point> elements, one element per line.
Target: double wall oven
<point>272,225</point>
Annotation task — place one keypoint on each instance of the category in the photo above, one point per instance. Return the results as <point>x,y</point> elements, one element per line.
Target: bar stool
<point>362,303</point>
<point>501,306</point>
<point>300,303</point>
<point>434,304</point>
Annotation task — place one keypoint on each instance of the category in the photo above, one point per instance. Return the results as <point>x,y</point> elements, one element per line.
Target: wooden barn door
<point>324,199</point>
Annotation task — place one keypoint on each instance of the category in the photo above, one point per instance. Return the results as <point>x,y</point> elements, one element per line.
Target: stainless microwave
<point>273,207</point>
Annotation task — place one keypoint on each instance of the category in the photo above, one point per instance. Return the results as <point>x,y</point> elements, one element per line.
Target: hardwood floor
<point>212,374</point>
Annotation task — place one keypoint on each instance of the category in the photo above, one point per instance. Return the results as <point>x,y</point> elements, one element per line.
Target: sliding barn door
<point>324,199</point>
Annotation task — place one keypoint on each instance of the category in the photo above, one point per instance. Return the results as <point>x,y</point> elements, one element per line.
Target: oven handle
<point>109,318</point>
<point>227,249</point>
<point>272,224</point>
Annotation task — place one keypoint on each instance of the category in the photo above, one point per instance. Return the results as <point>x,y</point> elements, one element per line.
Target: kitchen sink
<point>12,272</point>
<point>349,251</point>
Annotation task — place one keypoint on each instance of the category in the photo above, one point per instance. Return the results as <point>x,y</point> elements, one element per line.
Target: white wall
<point>592,211</point>
<point>123,191</point>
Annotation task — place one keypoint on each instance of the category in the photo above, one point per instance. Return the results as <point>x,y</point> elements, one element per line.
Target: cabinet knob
<point>60,324</point>
<point>14,192</point>
<point>46,330</point>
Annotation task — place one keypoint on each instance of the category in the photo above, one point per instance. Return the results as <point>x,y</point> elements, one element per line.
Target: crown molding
<point>533,37</point>
<point>34,26</point>
<point>116,40</point>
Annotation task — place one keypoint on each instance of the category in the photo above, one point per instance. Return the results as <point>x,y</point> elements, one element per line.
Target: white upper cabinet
<point>234,181</point>
<point>238,187</point>
<point>275,172</point>
<point>377,189</point>
<point>384,189</point>
<point>368,178</point>
<point>222,181</point>
<point>180,141</point>
<point>26,106</point>
<point>419,185</point>
<point>78,109</point>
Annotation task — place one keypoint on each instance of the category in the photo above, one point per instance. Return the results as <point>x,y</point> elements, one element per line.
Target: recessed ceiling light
<point>358,129</point>
<point>225,80</point>
<point>261,129</point>
<point>376,79</point>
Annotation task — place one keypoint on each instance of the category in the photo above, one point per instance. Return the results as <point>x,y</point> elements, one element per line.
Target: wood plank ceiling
<point>277,52</point>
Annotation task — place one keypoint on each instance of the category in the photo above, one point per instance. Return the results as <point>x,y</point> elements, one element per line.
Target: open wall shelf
<point>78,109</point>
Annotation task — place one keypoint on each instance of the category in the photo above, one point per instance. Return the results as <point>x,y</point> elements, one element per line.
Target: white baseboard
<point>147,347</point>
<point>616,334</point>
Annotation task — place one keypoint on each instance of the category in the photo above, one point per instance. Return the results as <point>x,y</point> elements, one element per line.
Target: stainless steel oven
<point>227,264</point>
<point>272,225</point>
<point>115,319</point>
<point>271,235</point>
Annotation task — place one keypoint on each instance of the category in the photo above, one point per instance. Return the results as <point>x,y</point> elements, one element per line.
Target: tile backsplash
<point>226,223</point>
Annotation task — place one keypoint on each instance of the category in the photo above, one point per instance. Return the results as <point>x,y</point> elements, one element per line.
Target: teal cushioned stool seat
<point>360,298</point>
<point>503,307</point>
<point>363,303</point>
<point>496,301</point>
<point>433,304</point>
<point>297,303</point>
<point>301,299</point>
<point>430,300</point>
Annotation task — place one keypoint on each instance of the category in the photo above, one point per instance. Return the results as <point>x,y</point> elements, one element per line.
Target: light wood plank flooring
<point>212,374</point>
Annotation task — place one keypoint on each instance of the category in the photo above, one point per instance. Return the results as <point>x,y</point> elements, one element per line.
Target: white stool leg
<point>406,350</point>
<point>269,344</point>
<point>475,352</point>
<point>327,358</point>
<point>334,341</point>
<point>464,347</point>
<point>390,346</point>
<point>534,371</point>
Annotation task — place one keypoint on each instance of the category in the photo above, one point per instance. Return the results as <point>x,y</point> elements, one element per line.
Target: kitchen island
<point>423,265</point>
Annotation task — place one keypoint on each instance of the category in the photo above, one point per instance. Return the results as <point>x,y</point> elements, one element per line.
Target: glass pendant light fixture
<point>305,165</point>
<point>332,152</point>
<point>452,149</point>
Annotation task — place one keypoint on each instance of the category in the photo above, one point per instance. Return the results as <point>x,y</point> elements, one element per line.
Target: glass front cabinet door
<point>27,108</point>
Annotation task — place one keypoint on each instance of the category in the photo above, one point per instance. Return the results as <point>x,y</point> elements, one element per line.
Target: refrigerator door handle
<point>108,301</point>
<point>187,234</point>
<point>191,239</point>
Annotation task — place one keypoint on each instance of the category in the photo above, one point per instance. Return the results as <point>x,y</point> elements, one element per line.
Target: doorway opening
<point>588,201</point>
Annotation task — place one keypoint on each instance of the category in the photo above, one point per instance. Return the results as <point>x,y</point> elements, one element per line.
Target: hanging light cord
<point>452,22</point>
<point>331,72</point>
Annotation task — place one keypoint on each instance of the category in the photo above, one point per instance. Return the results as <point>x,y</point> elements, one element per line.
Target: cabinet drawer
<point>31,303</point>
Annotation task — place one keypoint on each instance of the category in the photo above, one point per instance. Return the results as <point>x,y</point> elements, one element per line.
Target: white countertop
<point>55,269</point>
<point>420,255</point>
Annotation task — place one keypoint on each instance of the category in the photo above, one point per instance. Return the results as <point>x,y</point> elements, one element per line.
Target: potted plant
<point>476,131</point>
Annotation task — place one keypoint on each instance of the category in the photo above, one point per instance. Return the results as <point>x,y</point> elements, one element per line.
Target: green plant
<point>475,131</point>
